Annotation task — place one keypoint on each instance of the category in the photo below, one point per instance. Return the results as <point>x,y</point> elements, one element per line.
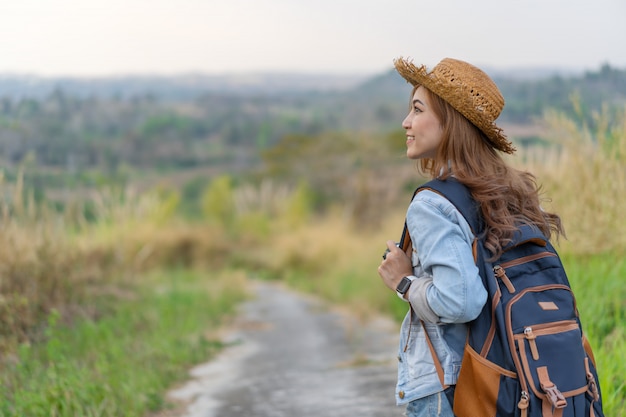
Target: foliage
<point>217,201</point>
<point>353,170</point>
<point>121,364</point>
<point>82,140</point>
<point>529,99</point>
<point>298,210</point>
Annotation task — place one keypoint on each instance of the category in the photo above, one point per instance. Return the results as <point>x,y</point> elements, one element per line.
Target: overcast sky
<point>107,37</point>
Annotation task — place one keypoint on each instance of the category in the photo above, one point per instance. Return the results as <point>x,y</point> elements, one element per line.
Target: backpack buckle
<point>555,396</point>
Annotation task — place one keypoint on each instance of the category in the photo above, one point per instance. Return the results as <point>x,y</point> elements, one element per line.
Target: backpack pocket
<point>552,357</point>
<point>481,386</point>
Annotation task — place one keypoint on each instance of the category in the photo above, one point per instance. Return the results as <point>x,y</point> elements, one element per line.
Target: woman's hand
<point>396,265</point>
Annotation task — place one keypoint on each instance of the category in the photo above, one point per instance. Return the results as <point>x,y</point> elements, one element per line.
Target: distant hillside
<point>85,132</point>
<point>530,98</point>
<point>188,86</point>
<point>181,87</point>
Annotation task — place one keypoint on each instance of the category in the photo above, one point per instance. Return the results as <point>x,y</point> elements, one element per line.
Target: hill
<point>90,132</point>
<point>181,87</point>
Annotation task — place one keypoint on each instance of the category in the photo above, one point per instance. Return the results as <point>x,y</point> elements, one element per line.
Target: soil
<point>293,355</point>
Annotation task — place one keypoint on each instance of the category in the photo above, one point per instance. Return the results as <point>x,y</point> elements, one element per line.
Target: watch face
<point>404,285</point>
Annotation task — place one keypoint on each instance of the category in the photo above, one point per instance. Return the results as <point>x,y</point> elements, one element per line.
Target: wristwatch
<point>403,286</point>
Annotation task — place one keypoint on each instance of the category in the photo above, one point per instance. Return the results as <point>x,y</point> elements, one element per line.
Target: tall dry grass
<point>61,263</point>
<point>38,267</point>
<point>584,176</point>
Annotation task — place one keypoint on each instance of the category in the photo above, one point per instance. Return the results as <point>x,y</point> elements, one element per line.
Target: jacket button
<point>401,395</point>
<point>399,358</point>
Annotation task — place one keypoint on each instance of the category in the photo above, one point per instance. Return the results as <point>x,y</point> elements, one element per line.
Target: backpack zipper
<point>500,269</point>
<point>531,332</point>
<point>500,273</point>
<point>523,404</point>
<point>530,336</point>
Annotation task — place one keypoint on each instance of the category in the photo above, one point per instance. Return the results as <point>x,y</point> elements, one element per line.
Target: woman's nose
<point>406,123</point>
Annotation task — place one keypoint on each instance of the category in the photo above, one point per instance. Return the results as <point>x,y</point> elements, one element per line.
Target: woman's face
<point>423,128</point>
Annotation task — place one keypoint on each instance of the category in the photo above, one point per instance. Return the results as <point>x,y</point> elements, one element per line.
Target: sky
<point>90,38</point>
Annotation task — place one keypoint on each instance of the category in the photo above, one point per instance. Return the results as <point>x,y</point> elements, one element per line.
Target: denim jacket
<point>449,283</point>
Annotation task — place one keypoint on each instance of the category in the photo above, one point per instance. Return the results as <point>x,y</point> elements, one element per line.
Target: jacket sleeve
<point>443,241</point>
<point>419,301</point>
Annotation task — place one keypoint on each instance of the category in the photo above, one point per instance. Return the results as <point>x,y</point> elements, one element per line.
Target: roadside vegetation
<point>106,301</point>
<point>100,318</point>
<point>122,363</point>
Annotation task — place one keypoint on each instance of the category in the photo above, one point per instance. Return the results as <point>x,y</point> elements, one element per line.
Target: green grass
<point>122,364</point>
<point>600,289</point>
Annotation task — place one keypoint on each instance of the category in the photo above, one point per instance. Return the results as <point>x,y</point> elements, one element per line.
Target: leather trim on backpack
<point>478,386</point>
<point>588,349</point>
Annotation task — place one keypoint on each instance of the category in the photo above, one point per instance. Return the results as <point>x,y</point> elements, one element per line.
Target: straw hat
<point>466,88</point>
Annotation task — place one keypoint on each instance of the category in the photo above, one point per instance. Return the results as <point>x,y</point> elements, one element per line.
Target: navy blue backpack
<point>526,355</point>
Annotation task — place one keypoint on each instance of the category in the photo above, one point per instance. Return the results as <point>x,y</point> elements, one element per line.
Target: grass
<point>123,363</point>
<point>597,281</point>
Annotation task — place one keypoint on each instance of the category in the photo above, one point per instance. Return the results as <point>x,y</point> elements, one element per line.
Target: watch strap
<point>410,278</point>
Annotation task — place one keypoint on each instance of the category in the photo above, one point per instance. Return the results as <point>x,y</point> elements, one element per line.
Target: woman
<point>451,131</point>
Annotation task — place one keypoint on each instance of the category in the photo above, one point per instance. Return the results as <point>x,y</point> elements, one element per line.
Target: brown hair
<point>508,197</point>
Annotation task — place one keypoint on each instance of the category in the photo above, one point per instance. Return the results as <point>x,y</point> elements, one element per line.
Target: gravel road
<point>292,355</point>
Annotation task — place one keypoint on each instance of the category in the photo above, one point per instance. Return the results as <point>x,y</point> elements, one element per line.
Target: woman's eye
<point>416,110</point>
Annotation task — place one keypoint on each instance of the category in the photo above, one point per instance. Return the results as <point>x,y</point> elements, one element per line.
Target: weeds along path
<point>294,356</point>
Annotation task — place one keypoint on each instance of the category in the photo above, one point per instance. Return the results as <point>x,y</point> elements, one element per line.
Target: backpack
<point>525,355</point>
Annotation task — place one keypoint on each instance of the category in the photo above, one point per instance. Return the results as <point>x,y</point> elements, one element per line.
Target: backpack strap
<point>438,366</point>
<point>459,195</point>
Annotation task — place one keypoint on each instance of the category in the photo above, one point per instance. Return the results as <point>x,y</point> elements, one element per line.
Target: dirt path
<point>292,356</point>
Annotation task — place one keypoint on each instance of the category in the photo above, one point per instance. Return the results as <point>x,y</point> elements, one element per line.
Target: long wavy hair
<point>508,197</point>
